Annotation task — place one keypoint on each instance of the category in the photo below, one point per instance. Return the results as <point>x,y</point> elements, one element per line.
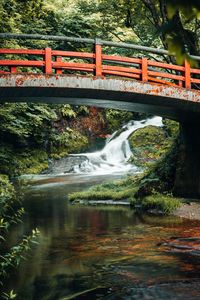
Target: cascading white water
<point>113,158</point>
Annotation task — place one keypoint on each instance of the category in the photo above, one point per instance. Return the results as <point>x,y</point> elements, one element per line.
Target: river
<point>102,252</point>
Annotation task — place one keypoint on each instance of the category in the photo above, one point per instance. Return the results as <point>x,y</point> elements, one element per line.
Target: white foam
<point>113,158</point>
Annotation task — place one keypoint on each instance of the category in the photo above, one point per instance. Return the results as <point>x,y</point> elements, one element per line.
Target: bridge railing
<point>98,64</point>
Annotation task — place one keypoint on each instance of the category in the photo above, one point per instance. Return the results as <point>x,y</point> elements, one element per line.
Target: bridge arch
<point>168,101</point>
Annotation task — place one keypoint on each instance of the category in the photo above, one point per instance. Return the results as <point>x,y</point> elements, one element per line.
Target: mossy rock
<point>171,127</point>
<point>148,144</point>
<point>148,136</point>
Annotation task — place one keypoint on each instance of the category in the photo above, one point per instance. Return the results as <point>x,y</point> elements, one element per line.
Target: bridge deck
<point>96,78</point>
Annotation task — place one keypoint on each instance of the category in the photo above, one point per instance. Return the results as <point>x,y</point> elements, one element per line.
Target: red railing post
<point>13,69</point>
<point>144,69</point>
<point>58,59</point>
<point>98,58</point>
<point>187,75</point>
<point>48,61</point>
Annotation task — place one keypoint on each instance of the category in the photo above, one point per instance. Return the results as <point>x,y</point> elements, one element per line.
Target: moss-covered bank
<point>127,189</point>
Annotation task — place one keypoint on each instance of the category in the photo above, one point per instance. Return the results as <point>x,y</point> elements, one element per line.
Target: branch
<point>152,8</point>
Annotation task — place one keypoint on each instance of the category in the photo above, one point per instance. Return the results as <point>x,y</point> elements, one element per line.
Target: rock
<point>148,144</point>
<point>64,165</point>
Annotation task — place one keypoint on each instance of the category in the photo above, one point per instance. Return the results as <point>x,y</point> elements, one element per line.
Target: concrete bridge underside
<point>168,101</point>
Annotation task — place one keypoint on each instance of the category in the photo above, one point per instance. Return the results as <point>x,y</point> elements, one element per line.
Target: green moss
<point>6,188</point>
<point>69,141</point>
<point>115,118</point>
<point>117,190</point>
<point>171,127</point>
<point>28,160</point>
<point>148,144</point>
<point>149,135</point>
<point>164,203</point>
<point>103,195</point>
<point>161,176</point>
<point>128,189</point>
<point>22,161</point>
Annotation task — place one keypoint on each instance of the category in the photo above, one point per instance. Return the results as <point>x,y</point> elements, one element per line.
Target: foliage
<point>23,120</point>
<point>10,295</point>
<point>172,24</point>
<point>67,111</point>
<point>165,203</point>
<point>11,213</point>
<point>30,133</point>
<point>66,142</point>
<point>10,206</point>
<point>116,118</point>
<point>189,9</point>
<point>22,161</point>
<point>13,258</point>
<point>19,16</point>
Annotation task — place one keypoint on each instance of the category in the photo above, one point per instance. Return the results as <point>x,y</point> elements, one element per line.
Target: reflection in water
<point>101,252</point>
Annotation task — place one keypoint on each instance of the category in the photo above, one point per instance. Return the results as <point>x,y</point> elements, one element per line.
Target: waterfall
<point>113,158</point>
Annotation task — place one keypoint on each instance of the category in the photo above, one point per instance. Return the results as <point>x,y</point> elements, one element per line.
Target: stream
<point>103,252</point>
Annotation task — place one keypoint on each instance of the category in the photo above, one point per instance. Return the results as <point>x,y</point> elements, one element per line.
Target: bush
<point>11,212</point>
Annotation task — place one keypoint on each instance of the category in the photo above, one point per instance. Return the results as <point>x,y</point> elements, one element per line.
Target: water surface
<point>103,252</point>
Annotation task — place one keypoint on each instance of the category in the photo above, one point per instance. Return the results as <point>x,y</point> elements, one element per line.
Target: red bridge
<point>98,79</point>
<point>95,78</point>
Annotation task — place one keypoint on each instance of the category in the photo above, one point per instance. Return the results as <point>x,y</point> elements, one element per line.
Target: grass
<point>117,190</point>
<point>102,195</point>
<point>126,189</point>
<point>166,204</point>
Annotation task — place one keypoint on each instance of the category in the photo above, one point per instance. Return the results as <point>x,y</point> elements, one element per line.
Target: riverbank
<point>126,191</point>
<point>189,210</point>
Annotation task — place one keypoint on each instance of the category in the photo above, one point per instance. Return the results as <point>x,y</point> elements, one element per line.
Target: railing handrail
<point>90,41</point>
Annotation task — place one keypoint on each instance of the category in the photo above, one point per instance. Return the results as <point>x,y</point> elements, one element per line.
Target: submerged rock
<point>102,202</point>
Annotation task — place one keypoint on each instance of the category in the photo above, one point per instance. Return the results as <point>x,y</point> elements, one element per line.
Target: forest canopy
<point>171,24</point>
